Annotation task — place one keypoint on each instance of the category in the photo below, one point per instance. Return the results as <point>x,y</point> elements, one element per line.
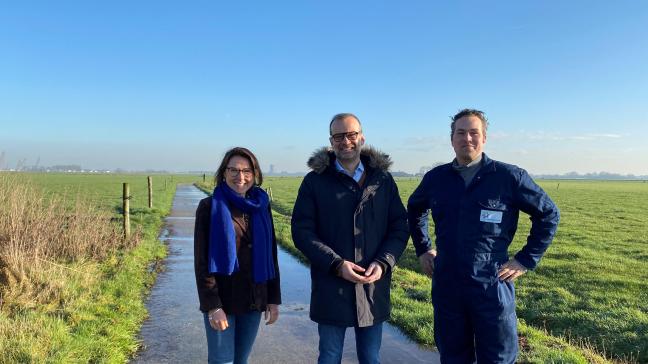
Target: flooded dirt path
<point>174,331</point>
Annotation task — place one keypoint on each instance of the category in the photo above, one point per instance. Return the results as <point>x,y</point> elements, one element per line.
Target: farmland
<point>588,298</point>
<point>84,303</point>
<point>586,302</point>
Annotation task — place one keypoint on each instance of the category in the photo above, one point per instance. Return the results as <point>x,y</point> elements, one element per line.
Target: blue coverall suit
<point>474,312</point>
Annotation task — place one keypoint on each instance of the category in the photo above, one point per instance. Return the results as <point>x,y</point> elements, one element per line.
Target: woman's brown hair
<point>244,153</point>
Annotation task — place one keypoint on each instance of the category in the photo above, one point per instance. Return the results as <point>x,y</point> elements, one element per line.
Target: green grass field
<point>96,307</point>
<point>587,300</point>
<point>588,297</point>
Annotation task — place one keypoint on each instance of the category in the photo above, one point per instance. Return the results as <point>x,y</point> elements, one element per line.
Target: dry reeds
<point>40,236</point>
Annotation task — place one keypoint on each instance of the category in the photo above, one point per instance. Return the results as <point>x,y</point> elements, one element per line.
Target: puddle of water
<point>181,238</point>
<point>174,331</point>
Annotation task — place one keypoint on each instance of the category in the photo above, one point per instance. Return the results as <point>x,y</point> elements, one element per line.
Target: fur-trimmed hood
<point>322,157</point>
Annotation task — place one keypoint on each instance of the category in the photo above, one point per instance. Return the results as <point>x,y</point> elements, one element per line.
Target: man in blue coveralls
<point>475,203</point>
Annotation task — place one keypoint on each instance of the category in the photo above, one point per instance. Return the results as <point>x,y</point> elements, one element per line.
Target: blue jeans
<point>331,343</point>
<point>234,344</point>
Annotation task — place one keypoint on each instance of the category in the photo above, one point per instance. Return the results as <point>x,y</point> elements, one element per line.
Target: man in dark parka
<point>349,221</point>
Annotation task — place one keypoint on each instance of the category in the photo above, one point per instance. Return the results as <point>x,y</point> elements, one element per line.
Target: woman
<point>235,259</point>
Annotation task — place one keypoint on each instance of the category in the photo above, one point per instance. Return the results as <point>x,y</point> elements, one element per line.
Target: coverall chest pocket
<point>492,214</point>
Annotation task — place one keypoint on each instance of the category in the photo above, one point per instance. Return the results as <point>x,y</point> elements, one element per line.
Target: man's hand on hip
<point>427,262</point>
<point>352,272</point>
<point>510,270</point>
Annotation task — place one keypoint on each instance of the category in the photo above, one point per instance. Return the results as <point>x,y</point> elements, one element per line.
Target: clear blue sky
<point>172,85</point>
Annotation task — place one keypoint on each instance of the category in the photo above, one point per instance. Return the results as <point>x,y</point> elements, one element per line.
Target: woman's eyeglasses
<point>234,172</point>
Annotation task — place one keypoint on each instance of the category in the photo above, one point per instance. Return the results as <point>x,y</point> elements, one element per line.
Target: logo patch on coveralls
<point>493,203</point>
<point>491,216</point>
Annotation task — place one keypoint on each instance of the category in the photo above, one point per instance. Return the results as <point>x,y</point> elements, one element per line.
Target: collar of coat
<point>324,157</point>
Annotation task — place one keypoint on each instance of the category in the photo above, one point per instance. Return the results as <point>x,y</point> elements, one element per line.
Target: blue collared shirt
<point>356,175</point>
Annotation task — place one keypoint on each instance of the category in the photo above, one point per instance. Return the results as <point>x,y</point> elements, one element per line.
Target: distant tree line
<point>594,175</point>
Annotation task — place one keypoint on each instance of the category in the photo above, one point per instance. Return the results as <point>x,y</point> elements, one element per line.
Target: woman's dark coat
<point>235,294</point>
<point>336,219</point>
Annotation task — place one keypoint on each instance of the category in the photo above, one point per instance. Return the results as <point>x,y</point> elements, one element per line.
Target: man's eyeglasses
<point>234,172</point>
<point>352,136</point>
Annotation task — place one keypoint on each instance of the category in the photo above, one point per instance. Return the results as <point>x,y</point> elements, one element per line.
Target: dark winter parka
<point>336,219</point>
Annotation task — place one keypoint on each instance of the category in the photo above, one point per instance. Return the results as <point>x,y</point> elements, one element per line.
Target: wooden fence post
<point>150,191</point>
<point>270,193</point>
<point>204,177</point>
<point>126,211</point>
<point>165,184</point>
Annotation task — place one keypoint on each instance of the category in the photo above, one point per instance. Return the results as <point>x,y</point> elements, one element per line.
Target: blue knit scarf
<point>222,237</point>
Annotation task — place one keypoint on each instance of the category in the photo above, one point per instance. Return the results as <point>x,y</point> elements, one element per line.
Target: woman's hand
<point>217,319</point>
<point>271,314</point>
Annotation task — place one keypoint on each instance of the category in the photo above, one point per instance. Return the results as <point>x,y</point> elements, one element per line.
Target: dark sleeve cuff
<point>274,292</point>
<point>385,267</point>
<point>422,248</point>
<point>335,266</point>
<point>209,303</point>
<point>528,263</point>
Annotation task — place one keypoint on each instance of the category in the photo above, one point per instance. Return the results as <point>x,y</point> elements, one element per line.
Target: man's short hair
<point>469,112</point>
<point>342,116</point>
